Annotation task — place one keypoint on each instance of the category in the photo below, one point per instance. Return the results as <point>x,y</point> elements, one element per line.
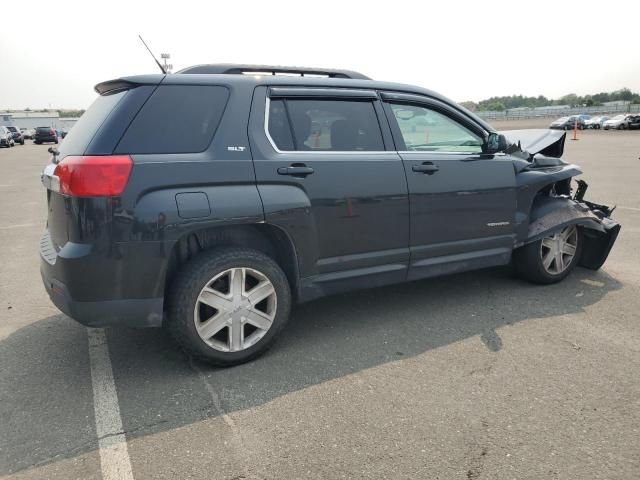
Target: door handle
<point>427,167</point>
<point>296,170</point>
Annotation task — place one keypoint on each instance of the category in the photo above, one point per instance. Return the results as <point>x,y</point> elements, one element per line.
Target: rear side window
<point>324,125</point>
<point>176,119</point>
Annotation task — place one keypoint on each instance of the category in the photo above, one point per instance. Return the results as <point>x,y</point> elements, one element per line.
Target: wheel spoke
<point>547,242</point>
<point>236,334</point>
<point>559,261</point>
<point>567,232</point>
<point>212,326</point>
<point>568,249</point>
<point>236,282</point>
<point>214,299</point>
<point>548,258</point>
<point>258,319</point>
<point>260,292</point>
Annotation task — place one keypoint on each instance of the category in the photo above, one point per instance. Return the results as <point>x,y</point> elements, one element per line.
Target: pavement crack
<point>236,435</point>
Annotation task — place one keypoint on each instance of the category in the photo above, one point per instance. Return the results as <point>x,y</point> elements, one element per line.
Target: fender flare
<point>551,214</point>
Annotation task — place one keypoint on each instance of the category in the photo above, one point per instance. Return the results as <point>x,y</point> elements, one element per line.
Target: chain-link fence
<point>558,112</point>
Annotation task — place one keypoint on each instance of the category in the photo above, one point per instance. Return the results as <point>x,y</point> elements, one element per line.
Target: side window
<point>426,130</point>
<point>325,125</point>
<point>176,119</point>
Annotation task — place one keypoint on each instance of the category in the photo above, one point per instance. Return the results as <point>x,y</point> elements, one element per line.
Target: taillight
<point>93,176</point>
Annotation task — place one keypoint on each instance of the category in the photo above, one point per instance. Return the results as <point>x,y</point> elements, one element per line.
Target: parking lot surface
<point>471,376</point>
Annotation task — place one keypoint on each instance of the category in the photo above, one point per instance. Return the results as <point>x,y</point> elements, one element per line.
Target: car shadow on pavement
<point>46,403</point>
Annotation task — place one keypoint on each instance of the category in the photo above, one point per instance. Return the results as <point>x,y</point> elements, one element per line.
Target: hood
<point>544,141</point>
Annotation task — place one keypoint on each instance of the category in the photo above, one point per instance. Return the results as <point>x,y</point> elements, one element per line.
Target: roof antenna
<point>154,57</point>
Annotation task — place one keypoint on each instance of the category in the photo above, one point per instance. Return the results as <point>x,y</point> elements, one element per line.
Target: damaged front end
<point>550,214</point>
<point>546,203</point>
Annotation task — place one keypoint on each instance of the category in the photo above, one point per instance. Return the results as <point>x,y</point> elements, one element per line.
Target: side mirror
<point>496,143</point>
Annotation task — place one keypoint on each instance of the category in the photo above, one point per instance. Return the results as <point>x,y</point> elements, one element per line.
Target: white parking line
<point>633,209</point>
<point>114,456</point>
<point>17,225</point>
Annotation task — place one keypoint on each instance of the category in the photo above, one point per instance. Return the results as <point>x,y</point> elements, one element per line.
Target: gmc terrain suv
<point>210,200</point>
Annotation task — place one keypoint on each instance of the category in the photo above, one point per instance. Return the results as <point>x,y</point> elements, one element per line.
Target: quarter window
<point>426,130</point>
<point>324,125</point>
<point>176,119</point>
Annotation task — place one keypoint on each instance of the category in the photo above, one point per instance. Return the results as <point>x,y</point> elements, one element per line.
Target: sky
<point>53,55</point>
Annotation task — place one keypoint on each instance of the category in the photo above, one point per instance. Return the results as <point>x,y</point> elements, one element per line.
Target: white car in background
<point>619,122</point>
<point>28,133</point>
<point>595,122</point>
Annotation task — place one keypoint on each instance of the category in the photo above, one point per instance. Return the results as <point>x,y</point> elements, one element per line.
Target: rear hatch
<point>44,132</point>
<point>94,136</point>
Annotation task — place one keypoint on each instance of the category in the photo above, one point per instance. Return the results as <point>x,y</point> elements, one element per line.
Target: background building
<point>28,119</point>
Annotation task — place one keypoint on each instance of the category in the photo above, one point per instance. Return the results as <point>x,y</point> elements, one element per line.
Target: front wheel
<point>227,306</point>
<point>550,259</point>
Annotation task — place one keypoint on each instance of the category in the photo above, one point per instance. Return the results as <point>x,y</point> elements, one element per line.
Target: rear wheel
<point>551,258</point>
<point>227,306</point>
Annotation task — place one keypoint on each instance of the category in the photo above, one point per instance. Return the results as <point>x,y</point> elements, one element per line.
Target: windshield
<point>12,129</point>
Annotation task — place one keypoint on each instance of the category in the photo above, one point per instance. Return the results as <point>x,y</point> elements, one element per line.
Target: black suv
<point>210,200</point>
<point>45,134</point>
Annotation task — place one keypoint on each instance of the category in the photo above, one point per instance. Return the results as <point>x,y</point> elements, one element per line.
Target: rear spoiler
<point>127,83</point>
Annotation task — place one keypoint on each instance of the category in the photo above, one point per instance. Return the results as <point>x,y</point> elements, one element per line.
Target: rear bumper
<point>139,312</point>
<point>65,273</point>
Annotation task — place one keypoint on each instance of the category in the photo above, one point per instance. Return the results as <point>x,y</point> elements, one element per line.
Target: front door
<point>462,201</point>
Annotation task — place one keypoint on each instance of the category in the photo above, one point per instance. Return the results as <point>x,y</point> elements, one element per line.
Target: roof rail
<point>239,69</point>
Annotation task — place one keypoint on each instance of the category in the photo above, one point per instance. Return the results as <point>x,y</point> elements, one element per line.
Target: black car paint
<point>360,220</point>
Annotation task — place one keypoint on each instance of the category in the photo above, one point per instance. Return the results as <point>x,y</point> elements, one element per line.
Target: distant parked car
<point>619,122</point>
<point>28,133</point>
<point>45,134</point>
<point>17,135</point>
<point>567,123</point>
<point>634,122</point>
<point>595,122</point>
<point>6,138</point>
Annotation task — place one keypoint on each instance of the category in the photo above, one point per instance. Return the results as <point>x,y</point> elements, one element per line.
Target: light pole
<point>167,66</point>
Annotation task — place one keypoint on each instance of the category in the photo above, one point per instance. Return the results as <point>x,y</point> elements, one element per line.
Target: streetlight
<point>167,66</point>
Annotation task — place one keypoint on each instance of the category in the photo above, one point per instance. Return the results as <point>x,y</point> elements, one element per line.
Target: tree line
<point>571,99</point>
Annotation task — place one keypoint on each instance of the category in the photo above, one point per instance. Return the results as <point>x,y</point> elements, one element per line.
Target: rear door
<point>462,201</point>
<point>329,176</point>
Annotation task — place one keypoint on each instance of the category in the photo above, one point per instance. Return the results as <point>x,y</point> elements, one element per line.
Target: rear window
<point>176,119</point>
<point>324,125</point>
<point>43,129</point>
<point>12,129</point>
<point>76,141</point>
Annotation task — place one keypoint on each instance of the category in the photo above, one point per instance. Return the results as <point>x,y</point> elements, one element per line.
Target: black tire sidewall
<point>186,287</point>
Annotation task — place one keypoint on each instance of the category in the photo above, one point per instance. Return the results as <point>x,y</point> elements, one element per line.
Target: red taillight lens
<point>93,176</point>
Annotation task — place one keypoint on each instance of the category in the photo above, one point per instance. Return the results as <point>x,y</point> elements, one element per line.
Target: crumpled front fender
<point>550,215</point>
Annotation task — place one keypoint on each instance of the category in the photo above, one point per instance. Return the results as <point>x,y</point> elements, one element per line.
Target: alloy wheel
<point>235,309</point>
<point>557,251</point>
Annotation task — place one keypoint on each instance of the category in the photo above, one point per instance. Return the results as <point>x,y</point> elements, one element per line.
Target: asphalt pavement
<point>472,376</point>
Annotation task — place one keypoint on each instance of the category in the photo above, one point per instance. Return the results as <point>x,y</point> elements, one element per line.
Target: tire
<point>528,260</point>
<point>56,142</point>
<point>37,143</point>
<point>210,269</point>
